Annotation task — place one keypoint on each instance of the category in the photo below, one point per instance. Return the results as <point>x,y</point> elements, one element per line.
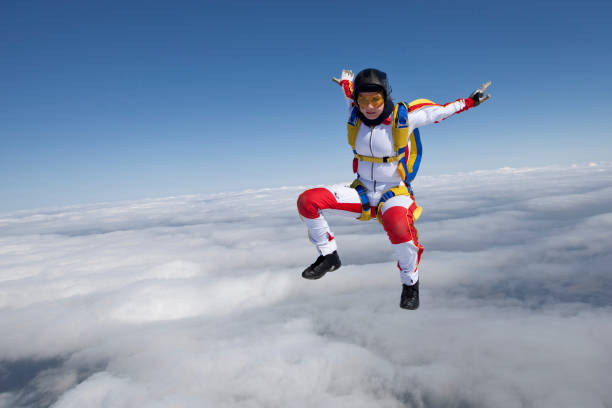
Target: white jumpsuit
<point>396,212</point>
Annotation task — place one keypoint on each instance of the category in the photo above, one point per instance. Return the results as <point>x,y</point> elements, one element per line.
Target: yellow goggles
<point>375,100</point>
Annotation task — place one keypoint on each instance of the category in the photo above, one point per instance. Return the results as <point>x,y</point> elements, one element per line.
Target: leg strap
<point>415,210</point>
<point>366,213</point>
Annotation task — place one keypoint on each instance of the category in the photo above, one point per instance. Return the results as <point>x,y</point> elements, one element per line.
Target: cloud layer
<point>197,301</point>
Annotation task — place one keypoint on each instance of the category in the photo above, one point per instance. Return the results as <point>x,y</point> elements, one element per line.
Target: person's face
<point>371,104</point>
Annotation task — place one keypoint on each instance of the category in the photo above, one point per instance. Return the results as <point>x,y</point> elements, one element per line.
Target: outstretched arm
<point>423,112</point>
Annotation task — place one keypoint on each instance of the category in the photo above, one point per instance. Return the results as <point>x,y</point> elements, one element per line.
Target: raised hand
<point>478,96</point>
<point>346,82</point>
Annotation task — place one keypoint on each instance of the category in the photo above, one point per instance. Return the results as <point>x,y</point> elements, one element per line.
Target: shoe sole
<point>319,276</point>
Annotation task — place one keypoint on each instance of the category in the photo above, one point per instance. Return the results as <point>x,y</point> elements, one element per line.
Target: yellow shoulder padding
<point>420,102</point>
<point>352,132</point>
<point>400,135</point>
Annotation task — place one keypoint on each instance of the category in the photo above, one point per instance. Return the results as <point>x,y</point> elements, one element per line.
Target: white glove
<point>347,75</point>
<point>346,82</point>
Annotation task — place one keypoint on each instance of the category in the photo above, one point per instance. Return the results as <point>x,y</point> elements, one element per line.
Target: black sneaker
<point>322,265</point>
<point>410,297</point>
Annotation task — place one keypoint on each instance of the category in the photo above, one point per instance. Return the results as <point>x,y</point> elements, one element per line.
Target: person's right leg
<point>312,204</point>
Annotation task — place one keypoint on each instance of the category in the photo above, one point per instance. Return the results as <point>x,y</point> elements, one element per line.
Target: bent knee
<point>310,202</point>
<point>398,224</point>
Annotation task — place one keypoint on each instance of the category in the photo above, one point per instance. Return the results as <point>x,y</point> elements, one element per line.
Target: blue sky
<point>108,100</point>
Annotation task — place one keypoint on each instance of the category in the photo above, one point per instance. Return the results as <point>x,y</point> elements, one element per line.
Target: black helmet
<point>370,80</point>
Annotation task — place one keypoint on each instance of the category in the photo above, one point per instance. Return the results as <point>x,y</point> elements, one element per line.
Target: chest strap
<point>371,159</point>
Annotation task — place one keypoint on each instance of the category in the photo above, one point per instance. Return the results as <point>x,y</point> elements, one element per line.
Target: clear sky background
<point>109,100</point>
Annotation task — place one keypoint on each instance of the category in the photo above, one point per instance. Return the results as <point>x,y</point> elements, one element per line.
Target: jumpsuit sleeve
<point>422,114</point>
<point>349,105</point>
<point>347,90</point>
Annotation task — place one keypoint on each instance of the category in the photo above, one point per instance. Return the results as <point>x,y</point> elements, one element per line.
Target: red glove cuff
<point>347,86</point>
<point>469,103</point>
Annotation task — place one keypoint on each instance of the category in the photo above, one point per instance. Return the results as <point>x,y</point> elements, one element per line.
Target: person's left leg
<point>398,222</point>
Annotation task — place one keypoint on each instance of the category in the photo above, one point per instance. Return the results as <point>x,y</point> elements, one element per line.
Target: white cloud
<point>198,301</point>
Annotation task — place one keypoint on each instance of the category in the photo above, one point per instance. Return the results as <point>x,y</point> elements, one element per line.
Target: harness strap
<point>408,164</point>
<point>414,209</point>
<point>366,213</point>
<point>371,159</point>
